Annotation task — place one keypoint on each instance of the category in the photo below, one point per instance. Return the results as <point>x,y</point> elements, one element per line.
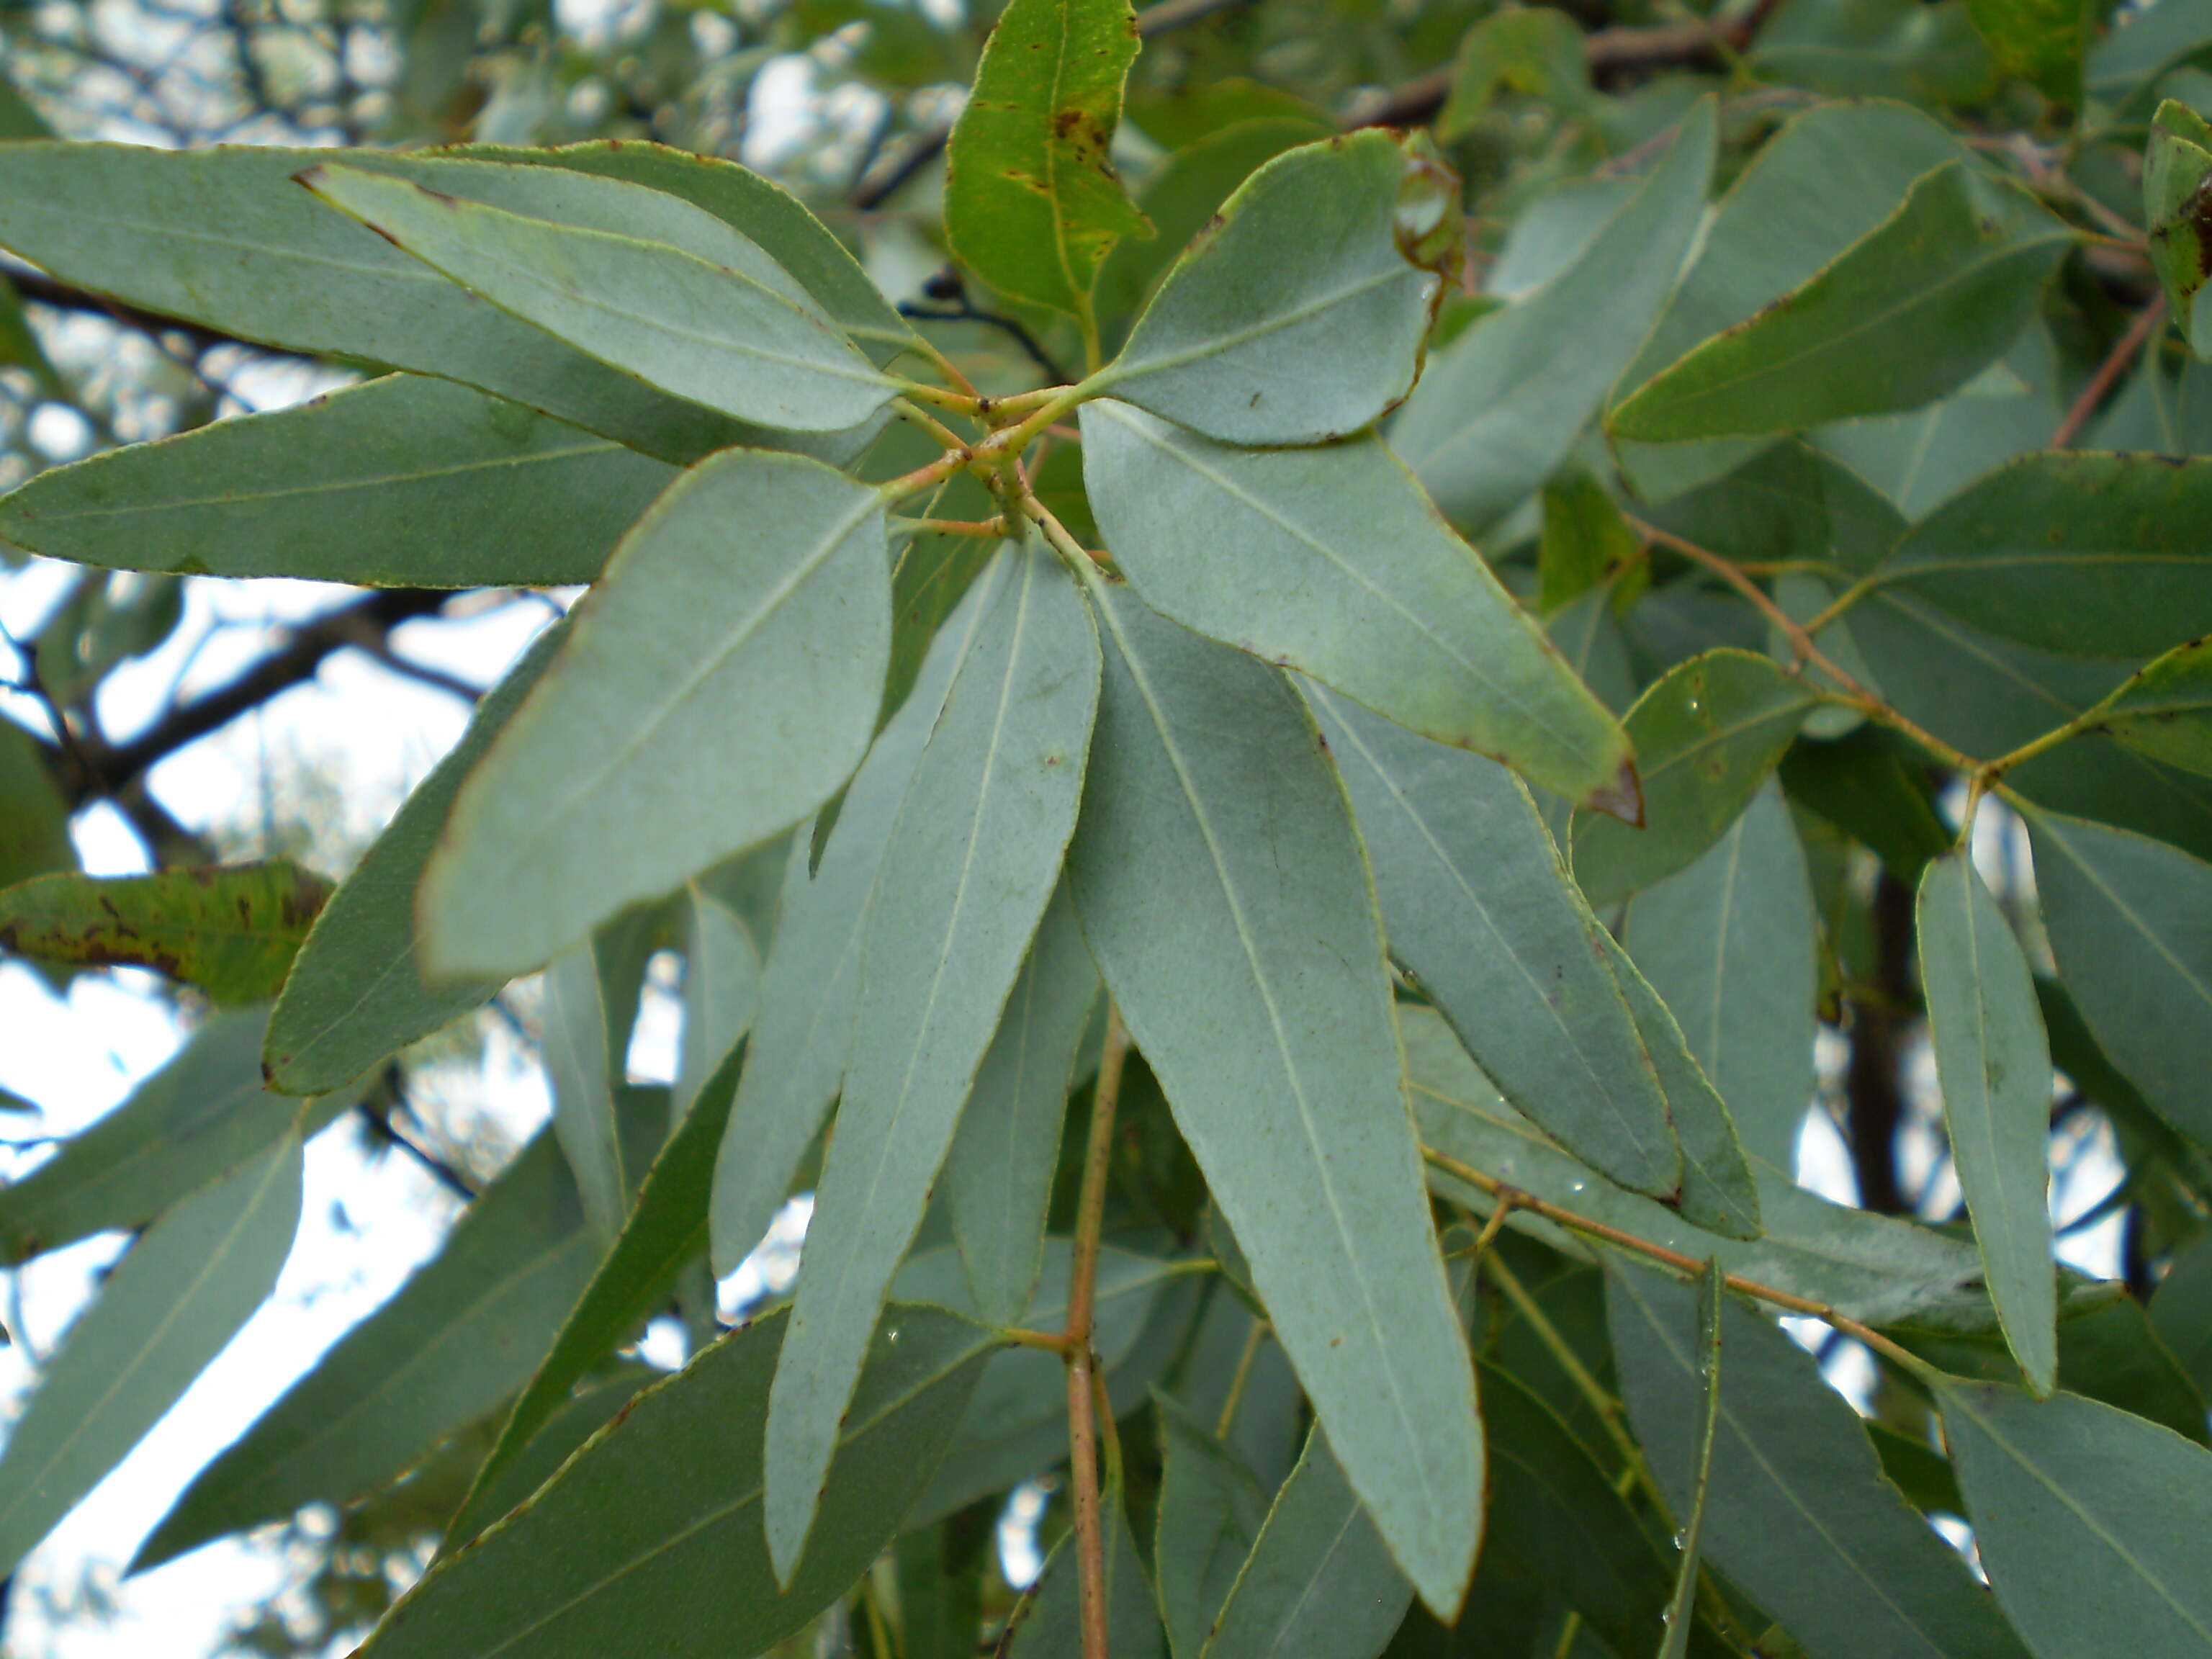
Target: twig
<point>1239,1378</point>
<point>2109,371</point>
<point>959,308</point>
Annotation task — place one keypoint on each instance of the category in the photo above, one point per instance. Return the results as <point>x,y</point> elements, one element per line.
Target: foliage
<point>1267,736</point>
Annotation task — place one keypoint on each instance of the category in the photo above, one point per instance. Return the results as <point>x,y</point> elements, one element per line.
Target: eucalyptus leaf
<point>1682,1605</point>
<point>1055,1626</point>
<point>1211,1510</point>
<point>2165,709</point>
<point>721,991</point>
<point>583,1050</point>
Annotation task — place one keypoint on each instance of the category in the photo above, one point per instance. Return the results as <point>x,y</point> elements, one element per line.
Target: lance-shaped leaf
<point>1319,1583</point>
<point>1500,408</point>
<point>2130,923</point>
<point>1718,1191</point>
<point>2176,163</point>
<point>718,336</point>
<point>721,990</point>
<point>718,684</point>
<point>356,993</point>
<point>1332,562</point>
<point>1993,1064</point>
<point>2086,555</point>
<point>1911,311</point>
<point>1211,1510</point>
<point>1221,883</point>
<point>795,1059</point>
<point>406,481</point>
<point>666,1230</point>
<point>1054,1628</point>
<point>229,930</point>
<point>971,862</point>
<point>1797,1512</point>
<point>582,1053</point>
<point>2094,1526</point>
<point>649,1541</point>
<point>456,1338</point>
<point>1032,204</point>
<point>1869,1267</point>
<point>195,1120</point>
<point>1299,316</point>
<point>1705,738</point>
<point>178,1298</point>
<point>1681,1607</point>
<point>1479,909</point>
<point>998,1176</point>
<point>2165,710</point>
<point>1732,946</point>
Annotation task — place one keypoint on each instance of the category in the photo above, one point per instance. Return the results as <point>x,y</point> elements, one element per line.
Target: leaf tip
<point>1621,799</point>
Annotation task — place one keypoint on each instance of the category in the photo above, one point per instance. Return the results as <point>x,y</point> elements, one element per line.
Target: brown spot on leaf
<point>1622,798</point>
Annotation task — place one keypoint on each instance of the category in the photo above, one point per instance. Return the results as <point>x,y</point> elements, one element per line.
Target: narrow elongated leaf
<point>2165,711</point>
<point>649,1538</point>
<point>1993,1064</point>
<point>718,684</point>
<point>2095,1527</point>
<point>176,1300</point>
<point>1299,316</point>
<point>229,930</point>
<point>1331,561</point>
<point>795,1059</point>
<point>1797,1512</point>
<point>721,991</point>
<point>1681,1607</point>
<point>717,335</point>
<point>406,481</point>
<point>971,864</point>
<point>1732,946</point>
<point>998,1176</point>
<point>203,1116</point>
<point>1222,886</point>
<point>581,1056</point>
<point>1870,1267</point>
<point>1718,1191</point>
<point>2131,922</point>
<point>1319,1583</point>
<point>1211,1511</point>
<point>2087,554</point>
<point>457,1339</point>
<point>2181,1312</point>
<point>1032,205</point>
<point>667,1230</point>
<point>1479,909</point>
<point>1055,1628</point>
<point>356,993</point>
<point>1911,311</point>
<point>34,829</point>
<point>1705,738</point>
<point>1500,408</point>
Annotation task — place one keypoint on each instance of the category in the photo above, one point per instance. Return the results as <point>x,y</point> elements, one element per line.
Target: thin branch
<point>2108,372</point>
<point>1082,1301</point>
<point>960,309</point>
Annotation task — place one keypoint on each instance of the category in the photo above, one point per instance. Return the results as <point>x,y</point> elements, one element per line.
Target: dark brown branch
<point>1874,1084</point>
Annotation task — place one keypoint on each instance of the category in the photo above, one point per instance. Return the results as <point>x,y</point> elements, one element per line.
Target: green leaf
<point>200,1117</point>
<point>1535,51</point>
<point>1878,48</point>
<point>970,864</point>
<point>1797,1513</point>
<point>1586,542</point>
<point>1320,1583</point>
<point>1501,407</point>
<point>356,993</point>
<point>228,930</point>
<point>667,1230</point>
<point>1718,1192</point>
<point>1054,1628</point>
<point>1866,1266</point>
<point>796,1057</point>
<point>1032,205</point>
<point>1479,909</point>
<point>721,991</point>
<point>998,1175</point>
<point>1911,310</point>
<point>173,1303</point>
<point>1706,737</point>
<point>2181,1312</point>
<point>34,827</point>
<point>583,1049</point>
<point>715,334</point>
<point>649,1540</point>
<point>2165,709</point>
<point>403,483</point>
<point>2095,1527</point>
<point>1299,316</point>
<point>457,1339</point>
<point>1221,885</point>
<point>1993,1065</point>
<point>2086,555</point>
<point>2130,923</point>
<point>2176,163</point>
<point>1212,1509</point>
<point>1871,786</point>
<point>1731,944</point>
<point>1681,1608</point>
<point>1332,562</point>
<point>726,668</point>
